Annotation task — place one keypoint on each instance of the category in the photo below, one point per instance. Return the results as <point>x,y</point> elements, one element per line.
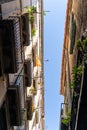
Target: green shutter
<point>72,36</point>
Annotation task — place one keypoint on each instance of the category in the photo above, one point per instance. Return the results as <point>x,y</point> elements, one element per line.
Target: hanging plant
<point>33,32</point>
<point>81,45</point>
<point>66,120</point>
<point>31,18</point>
<point>84,42</point>
<point>76,75</point>
<point>31,9</point>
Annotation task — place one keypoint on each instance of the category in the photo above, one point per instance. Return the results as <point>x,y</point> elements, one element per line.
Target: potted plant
<point>31,10</point>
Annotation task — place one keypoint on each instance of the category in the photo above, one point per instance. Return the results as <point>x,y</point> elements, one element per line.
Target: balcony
<point>79,116</point>
<point>28,73</point>
<point>79,103</point>
<point>76,91</point>
<point>14,106</point>
<point>10,46</point>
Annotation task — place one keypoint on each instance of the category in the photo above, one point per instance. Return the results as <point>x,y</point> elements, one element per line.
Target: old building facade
<point>74,68</point>
<point>21,65</point>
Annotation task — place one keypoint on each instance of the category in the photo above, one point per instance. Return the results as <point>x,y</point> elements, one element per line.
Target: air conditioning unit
<point>25,29</point>
<point>28,73</point>
<point>14,105</point>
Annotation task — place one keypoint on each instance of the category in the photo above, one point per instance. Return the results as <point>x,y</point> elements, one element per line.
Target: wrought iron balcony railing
<point>10,45</point>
